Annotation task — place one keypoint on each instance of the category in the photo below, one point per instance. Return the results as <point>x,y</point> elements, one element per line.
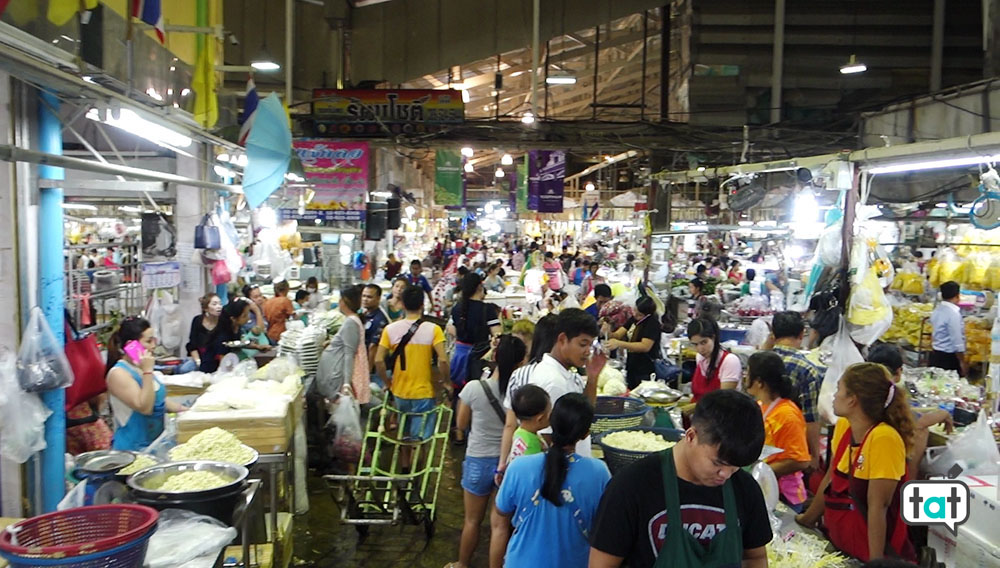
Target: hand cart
<point>383,492</point>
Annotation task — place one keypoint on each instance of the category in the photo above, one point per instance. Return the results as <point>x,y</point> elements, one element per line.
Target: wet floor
<point>322,540</point>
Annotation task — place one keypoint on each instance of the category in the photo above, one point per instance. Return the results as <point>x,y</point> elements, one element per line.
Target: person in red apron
<point>691,505</point>
<point>859,499</point>
<point>715,367</point>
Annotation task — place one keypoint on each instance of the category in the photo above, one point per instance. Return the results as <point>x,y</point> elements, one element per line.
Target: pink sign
<point>337,170</point>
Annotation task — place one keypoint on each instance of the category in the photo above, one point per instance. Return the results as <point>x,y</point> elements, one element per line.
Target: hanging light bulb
<point>468,152</point>
<point>853,66</point>
<point>590,186</point>
<point>468,168</point>
<point>507,160</point>
<point>499,173</point>
<point>528,117</point>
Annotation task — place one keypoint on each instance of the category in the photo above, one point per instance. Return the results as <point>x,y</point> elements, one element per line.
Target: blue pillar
<point>52,296</point>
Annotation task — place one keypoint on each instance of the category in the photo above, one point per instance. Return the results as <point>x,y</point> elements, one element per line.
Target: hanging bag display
<point>206,234</point>
<point>41,361</point>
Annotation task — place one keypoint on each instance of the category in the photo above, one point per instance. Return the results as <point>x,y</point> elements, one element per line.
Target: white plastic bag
<point>764,476</point>
<point>346,418</point>
<point>183,535</point>
<point>828,249</point>
<point>844,354</point>
<point>974,450</point>
<point>22,415</point>
<point>41,361</point>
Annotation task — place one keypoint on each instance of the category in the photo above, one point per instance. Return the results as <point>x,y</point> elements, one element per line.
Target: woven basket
<point>617,413</point>
<point>618,458</point>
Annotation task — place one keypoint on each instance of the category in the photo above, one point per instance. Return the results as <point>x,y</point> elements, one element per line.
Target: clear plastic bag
<point>843,354</point>
<point>22,415</point>
<point>974,450</point>
<point>346,418</point>
<point>41,361</point>
<point>183,535</point>
<point>278,369</point>
<point>764,476</point>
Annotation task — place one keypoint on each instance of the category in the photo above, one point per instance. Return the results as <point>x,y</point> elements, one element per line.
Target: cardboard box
<point>966,550</point>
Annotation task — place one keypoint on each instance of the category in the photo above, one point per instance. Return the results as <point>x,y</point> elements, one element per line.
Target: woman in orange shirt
<point>859,498</point>
<point>784,424</point>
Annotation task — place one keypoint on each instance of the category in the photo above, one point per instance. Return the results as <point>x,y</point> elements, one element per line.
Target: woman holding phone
<point>138,400</point>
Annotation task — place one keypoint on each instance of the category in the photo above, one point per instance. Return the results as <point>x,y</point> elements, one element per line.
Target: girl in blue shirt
<point>138,400</point>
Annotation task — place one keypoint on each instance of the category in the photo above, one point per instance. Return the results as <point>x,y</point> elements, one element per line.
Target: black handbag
<point>206,235</point>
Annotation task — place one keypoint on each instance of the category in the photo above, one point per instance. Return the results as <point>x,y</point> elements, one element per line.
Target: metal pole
<point>289,49</point>
<point>645,44</point>
<point>597,66</point>
<point>777,60</point>
<point>546,79</point>
<point>665,65</point>
<point>937,45</point>
<point>52,297</point>
<point>535,33</point>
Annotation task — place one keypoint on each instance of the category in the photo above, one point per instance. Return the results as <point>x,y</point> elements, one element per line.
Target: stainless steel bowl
<point>148,481</point>
<point>103,461</point>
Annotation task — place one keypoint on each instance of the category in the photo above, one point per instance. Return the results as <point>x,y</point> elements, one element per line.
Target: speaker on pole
<point>375,218</point>
<point>392,213</point>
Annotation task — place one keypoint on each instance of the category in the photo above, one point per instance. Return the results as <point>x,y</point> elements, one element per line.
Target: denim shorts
<point>477,475</point>
<point>418,417</point>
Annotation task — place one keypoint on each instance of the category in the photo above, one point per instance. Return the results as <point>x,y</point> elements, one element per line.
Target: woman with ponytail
<point>784,424</point>
<point>231,319</point>
<point>551,499</point>
<point>138,399</point>
<point>859,498</point>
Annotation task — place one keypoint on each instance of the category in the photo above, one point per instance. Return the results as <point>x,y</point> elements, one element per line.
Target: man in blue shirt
<point>417,278</point>
<point>949,332</point>
<point>602,295</point>
<point>375,320</point>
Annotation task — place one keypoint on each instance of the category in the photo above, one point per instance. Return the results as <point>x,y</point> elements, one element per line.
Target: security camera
<point>233,40</point>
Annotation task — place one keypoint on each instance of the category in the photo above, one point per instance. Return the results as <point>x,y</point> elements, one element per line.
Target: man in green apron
<point>723,518</point>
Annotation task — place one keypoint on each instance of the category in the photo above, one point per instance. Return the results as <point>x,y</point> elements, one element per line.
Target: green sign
<point>448,182</point>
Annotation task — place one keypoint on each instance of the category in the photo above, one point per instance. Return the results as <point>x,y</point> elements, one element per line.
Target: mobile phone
<point>134,350</point>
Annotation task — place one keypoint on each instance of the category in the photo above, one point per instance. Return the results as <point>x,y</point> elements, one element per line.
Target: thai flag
<point>249,112</point>
<point>149,11</point>
<point>594,212</point>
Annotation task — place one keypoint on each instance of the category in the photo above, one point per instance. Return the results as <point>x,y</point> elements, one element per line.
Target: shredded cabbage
<point>214,444</point>
<point>637,441</point>
<point>195,481</point>
<point>142,461</point>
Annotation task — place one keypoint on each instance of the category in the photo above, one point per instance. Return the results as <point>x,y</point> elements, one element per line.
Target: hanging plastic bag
<point>220,273</point>
<point>974,450</point>
<point>182,536</point>
<point>829,245</point>
<point>346,419</point>
<point>171,334</point>
<point>22,415</point>
<point>843,354</point>
<point>41,361</point>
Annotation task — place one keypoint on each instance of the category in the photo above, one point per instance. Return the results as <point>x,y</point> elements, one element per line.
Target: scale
<point>100,470</point>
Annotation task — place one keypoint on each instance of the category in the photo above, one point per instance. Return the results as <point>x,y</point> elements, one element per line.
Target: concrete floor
<point>321,540</point>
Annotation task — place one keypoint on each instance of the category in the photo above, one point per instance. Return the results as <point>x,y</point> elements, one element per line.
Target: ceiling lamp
<point>265,64</point>
<point>468,152</point>
<point>129,121</point>
<point>590,186</point>
<point>468,168</point>
<point>528,117</point>
<point>507,160</point>
<point>560,80</point>
<point>853,66</point>
<point>499,173</point>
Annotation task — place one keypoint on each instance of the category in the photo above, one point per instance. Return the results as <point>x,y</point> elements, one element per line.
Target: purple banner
<point>546,170</point>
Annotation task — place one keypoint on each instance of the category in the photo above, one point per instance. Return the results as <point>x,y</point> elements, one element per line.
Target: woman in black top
<point>473,322</point>
<point>202,327</point>
<point>233,316</point>
<point>643,345</point>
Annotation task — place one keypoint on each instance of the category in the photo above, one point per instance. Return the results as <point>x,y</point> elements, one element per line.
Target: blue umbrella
<point>269,149</point>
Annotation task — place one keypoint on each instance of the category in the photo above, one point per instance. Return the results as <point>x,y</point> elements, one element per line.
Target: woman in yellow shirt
<point>784,424</point>
<point>859,498</point>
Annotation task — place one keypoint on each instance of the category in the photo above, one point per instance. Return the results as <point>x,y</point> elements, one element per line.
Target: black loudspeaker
<point>375,218</point>
<point>392,213</point>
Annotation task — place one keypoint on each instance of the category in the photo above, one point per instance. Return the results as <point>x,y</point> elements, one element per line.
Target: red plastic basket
<point>78,532</point>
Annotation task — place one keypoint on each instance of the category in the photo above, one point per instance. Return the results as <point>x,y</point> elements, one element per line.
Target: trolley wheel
<point>363,531</point>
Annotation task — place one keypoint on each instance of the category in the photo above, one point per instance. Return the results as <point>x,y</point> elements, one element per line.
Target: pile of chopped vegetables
<point>798,549</point>
<point>214,444</point>
<point>195,481</point>
<point>142,461</point>
<point>636,441</point>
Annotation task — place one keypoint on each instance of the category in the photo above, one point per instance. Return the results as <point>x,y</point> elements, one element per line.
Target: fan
<point>985,213</point>
<point>745,192</point>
